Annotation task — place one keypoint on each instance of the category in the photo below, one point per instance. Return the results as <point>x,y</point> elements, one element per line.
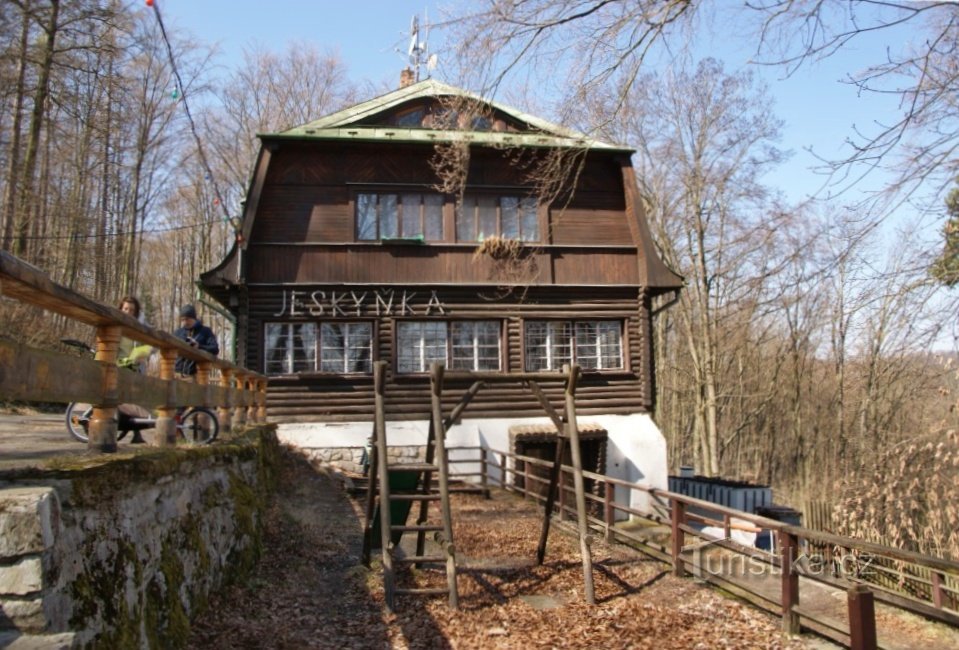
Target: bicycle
<point>198,425</point>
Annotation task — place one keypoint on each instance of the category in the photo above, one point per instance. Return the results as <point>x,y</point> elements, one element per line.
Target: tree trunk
<point>13,169</point>
<point>26,200</point>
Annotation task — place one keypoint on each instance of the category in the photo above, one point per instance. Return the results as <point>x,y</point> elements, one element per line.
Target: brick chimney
<point>406,78</point>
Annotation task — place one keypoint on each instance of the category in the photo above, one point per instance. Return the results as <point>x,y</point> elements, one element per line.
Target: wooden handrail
<point>791,542</point>
<point>37,375</point>
<point>30,285</point>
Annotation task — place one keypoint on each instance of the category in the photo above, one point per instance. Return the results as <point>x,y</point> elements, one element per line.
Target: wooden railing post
<point>677,517</point>
<point>224,412</point>
<point>203,379</point>
<point>166,414</point>
<point>103,424</point>
<point>239,411</point>
<point>790,581</point>
<point>862,618</point>
<point>251,408</point>
<point>261,401</point>
<point>609,491</point>
<point>937,589</point>
<point>484,470</point>
<point>525,481</point>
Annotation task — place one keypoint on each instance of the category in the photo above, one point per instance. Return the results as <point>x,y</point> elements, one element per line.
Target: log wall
<point>317,396</point>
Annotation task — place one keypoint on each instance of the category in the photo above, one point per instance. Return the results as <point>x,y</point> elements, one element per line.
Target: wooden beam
<point>379,427</point>
<point>463,403</point>
<point>577,456</point>
<point>554,477</point>
<point>544,402</point>
<point>436,384</point>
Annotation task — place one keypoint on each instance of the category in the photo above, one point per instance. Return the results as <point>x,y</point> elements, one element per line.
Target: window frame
<point>398,193</point>
<point>475,198</point>
<point>625,366</point>
<point>398,322</point>
<point>318,349</point>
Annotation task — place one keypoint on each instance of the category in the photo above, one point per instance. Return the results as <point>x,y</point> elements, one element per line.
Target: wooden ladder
<point>423,493</point>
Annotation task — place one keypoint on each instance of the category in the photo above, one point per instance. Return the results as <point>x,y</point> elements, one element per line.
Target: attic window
<point>411,118</point>
<point>481,123</point>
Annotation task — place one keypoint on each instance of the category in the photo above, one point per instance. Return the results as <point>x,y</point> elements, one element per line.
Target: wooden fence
<point>845,563</point>
<point>28,374</point>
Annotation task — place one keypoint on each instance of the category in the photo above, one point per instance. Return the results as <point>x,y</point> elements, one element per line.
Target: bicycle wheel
<point>199,426</point>
<point>78,420</point>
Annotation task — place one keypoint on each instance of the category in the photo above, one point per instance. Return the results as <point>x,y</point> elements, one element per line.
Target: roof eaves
<point>433,136</point>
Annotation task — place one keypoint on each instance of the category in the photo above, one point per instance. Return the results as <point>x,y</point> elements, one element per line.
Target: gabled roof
<point>345,124</point>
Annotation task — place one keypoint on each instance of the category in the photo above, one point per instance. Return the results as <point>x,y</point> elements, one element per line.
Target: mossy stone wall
<point>141,541</point>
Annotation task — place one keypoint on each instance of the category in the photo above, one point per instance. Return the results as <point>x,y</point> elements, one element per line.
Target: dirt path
<point>310,590</point>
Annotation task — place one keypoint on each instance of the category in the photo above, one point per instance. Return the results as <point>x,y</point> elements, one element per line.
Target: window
<point>594,345</point>
<point>339,347</point>
<point>462,345</point>
<point>481,216</point>
<point>399,216</point>
<point>475,345</point>
<point>346,347</point>
<point>290,347</point>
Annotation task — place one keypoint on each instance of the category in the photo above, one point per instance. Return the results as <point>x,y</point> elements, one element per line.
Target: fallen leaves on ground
<point>310,590</point>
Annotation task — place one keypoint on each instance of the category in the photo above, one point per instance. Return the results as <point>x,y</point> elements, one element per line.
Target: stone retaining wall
<point>351,459</point>
<point>122,551</point>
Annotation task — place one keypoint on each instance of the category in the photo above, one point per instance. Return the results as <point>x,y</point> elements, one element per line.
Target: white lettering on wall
<point>338,304</point>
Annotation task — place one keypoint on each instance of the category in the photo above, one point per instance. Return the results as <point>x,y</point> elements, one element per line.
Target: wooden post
<point>224,412</point>
<point>436,383</point>
<point>251,400</point>
<point>103,424</point>
<point>937,589</point>
<point>677,517</point>
<point>562,499</point>
<point>261,399</point>
<point>484,480</point>
<point>203,379</point>
<point>379,428</point>
<point>576,452</point>
<point>166,414</point>
<point>727,526</point>
<point>525,481</point>
<point>239,412</point>
<point>862,618</point>
<point>609,491</point>
<point>790,582</point>
<point>372,473</point>
<point>555,480</point>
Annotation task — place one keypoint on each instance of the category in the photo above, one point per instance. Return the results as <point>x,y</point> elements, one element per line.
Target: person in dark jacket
<point>197,335</point>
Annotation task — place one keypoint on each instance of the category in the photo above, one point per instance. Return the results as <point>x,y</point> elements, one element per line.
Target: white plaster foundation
<point>635,450</point>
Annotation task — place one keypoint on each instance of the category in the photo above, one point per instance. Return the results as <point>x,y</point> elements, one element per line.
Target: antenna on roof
<point>417,51</point>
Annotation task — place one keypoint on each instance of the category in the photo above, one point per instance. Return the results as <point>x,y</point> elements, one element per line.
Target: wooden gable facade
<point>349,254</point>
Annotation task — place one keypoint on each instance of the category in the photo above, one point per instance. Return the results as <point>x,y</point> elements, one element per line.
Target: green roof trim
<point>341,125</point>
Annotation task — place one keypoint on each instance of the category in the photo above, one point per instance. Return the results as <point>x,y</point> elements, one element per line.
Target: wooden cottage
<point>349,253</point>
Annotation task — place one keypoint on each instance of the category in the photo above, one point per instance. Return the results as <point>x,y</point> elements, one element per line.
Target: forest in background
<point>810,349</point>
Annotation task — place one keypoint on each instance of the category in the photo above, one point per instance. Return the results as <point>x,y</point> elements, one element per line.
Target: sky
<point>371,36</point>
